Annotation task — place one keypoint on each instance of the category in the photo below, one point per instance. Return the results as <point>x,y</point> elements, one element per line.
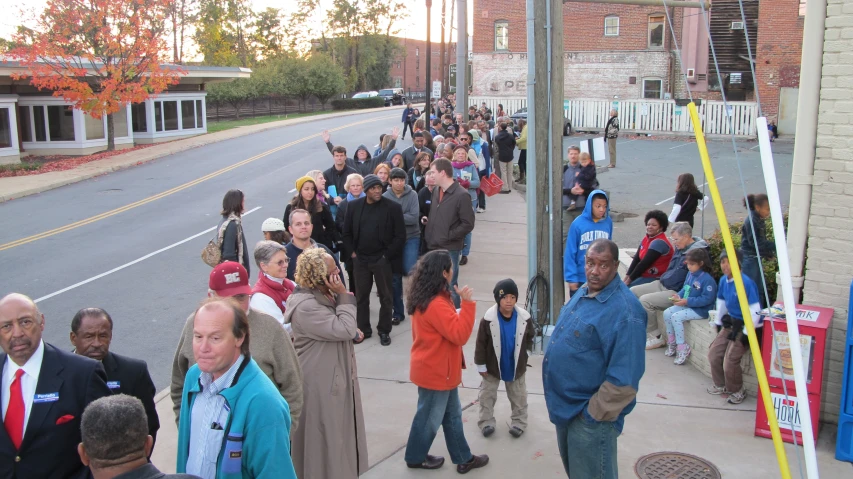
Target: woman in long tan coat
<point>330,441</point>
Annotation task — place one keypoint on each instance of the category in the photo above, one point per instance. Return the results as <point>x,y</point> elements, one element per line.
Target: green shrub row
<point>358,103</point>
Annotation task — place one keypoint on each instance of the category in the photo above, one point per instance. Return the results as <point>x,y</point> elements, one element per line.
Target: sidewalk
<point>20,186</point>
<point>674,413</point>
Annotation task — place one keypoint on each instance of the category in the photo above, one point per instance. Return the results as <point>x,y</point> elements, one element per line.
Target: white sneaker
<point>480,210</point>
<point>654,342</point>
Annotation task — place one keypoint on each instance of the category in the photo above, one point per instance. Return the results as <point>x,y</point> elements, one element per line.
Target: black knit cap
<point>505,287</point>
<point>370,181</point>
<point>398,173</point>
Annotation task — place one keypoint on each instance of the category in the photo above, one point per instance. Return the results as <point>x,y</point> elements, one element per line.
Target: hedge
<point>770,266</point>
<point>358,103</point>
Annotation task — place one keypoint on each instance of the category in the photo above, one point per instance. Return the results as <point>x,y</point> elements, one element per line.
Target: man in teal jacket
<point>234,422</point>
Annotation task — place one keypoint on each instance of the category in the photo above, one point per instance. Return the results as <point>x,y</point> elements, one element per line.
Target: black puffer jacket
<point>506,145</point>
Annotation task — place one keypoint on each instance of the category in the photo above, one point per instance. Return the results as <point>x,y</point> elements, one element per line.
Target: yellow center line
<point>174,190</point>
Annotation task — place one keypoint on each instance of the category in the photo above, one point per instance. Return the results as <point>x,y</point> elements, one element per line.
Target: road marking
<point>172,191</point>
<point>629,141</point>
<point>754,147</point>
<point>292,191</point>
<point>672,197</point>
<point>679,146</point>
<point>138,260</point>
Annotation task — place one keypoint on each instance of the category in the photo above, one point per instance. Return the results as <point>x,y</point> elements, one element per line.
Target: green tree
<point>268,35</point>
<point>327,79</point>
<point>212,34</point>
<point>235,93</point>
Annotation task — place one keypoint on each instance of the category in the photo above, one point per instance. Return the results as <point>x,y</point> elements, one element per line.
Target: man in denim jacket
<point>593,366</point>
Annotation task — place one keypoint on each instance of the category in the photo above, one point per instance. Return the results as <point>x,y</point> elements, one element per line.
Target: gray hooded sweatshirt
<point>411,210</point>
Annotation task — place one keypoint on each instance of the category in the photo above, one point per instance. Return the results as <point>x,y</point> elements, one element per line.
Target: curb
<point>190,143</point>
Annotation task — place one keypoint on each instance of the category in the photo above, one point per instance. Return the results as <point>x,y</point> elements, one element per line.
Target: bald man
<point>43,393</point>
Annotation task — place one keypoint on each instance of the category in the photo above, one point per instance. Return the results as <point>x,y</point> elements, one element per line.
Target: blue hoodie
<point>700,289</point>
<point>581,234</point>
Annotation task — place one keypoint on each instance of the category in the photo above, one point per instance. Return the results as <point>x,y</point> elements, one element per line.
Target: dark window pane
<point>26,129</point>
<point>61,122</point>
<point>652,89</point>
<point>656,31</point>
<point>158,115</point>
<point>5,129</point>
<point>38,117</point>
<point>199,119</point>
<point>188,114</point>
<point>170,115</point>
<point>139,117</point>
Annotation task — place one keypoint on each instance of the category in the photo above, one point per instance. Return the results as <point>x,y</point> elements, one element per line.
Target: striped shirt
<point>208,423</point>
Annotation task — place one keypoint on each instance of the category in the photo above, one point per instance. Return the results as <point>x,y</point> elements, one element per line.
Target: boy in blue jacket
<point>695,299</point>
<point>594,223</point>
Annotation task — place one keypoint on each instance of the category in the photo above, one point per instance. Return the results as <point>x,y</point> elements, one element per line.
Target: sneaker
<point>463,261</point>
<point>738,397</point>
<point>395,321</point>
<point>654,342</point>
<point>683,354</point>
<point>670,350</point>
<point>481,210</point>
<point>717,390</point>
<point>571,207</point>
<point>488,431</point>
<point>516,431</point>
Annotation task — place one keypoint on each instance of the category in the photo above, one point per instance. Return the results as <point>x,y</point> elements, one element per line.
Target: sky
<point>413,27</point>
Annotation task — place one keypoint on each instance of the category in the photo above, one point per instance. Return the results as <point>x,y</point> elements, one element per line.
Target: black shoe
<point>366,337</point>
<point>396,321</point>
<point>431,462</point>
<point>384,339</point>
<point>463,261</point>
<point>474,463</point>
<point>506,192</point>
<point>488,431</point>
<point>516,431</point>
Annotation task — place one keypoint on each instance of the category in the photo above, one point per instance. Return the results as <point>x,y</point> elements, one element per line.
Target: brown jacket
<point>271,348</point>
<point>450,219</point>
<point>488,350</point>
<point>330,441</point>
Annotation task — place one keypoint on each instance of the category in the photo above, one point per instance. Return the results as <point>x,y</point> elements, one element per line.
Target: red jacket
<point>278,292</point>
<point>439,334</point>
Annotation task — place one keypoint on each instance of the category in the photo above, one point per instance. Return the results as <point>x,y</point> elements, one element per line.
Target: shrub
<point>358,103</point>
<point>770,266</point>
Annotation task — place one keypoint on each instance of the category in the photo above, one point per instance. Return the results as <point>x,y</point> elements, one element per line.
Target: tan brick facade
<point>829,267</point>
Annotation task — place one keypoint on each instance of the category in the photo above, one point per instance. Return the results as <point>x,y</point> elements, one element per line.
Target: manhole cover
<point>675,465</point>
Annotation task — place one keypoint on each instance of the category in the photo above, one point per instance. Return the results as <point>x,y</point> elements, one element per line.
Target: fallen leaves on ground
<point>661,396</point>
<point>51,163</point>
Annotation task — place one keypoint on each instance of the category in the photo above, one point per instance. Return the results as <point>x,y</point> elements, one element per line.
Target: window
<point>199,115</point>
<point>5,129</point>
<point>94,128</point>
<point>170,115</point>
<point>501,36</point>
<point>38,119</point>
<point>139,117</point>
<point>25,114</point>
<point>656,31</point>
<point>652,89</point>
<point>802,8</point>
<point>120,123</point>
<point>398,82</point>
<point>61,122</point>
<point>158,115</point>
<point>188,114</point>
<point>611,26</point>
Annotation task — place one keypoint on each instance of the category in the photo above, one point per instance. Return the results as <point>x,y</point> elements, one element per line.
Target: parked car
<point>521,114</point>
<point>393,96</point>
<point>366,94</point>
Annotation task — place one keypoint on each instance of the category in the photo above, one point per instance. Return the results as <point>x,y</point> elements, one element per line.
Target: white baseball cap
<point>272,224</point>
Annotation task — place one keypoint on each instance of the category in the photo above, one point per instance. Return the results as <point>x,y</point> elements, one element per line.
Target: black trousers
<point>365,274</point>
<point>410,125</point>
<point>350,274</point>
<point>522,163</point>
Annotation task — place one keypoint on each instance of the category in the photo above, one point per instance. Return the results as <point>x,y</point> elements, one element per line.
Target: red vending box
<point>813,323</point>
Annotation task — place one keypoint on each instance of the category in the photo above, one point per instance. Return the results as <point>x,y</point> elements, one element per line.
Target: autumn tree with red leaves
<point>99,54</point>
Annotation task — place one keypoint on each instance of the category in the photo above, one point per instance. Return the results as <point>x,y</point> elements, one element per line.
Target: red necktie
<point>15,412</point>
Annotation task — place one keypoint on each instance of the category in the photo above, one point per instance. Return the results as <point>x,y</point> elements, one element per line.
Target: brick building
<point>408,70</point>
<point>829,264</point>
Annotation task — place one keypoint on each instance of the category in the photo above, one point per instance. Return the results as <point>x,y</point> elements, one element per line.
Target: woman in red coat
<point>439,333</point>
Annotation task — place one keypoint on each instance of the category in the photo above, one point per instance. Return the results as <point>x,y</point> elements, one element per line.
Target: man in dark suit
<point>44,391</point>
<point>91,335</point>
<point>374,235</point>
<point>115,441</point>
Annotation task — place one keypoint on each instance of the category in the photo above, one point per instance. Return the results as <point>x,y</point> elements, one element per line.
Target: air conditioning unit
<point>737,25</point>
<point>691,72</point>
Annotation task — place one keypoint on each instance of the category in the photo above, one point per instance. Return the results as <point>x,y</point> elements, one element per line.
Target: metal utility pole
<point>462,60</point>
<point>545,145</point>
<point>444,85</point>
<point>428,64</point>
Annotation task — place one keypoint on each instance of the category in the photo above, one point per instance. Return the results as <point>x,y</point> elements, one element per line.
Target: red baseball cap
<point>228,279</point>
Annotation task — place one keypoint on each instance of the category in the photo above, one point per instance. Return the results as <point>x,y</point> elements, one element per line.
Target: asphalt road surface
<point>130,241</point>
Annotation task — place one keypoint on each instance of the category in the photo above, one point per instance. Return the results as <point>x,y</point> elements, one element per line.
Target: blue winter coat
<point>700,289</point>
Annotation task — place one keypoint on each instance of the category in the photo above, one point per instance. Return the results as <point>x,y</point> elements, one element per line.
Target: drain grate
<point>675,465</point>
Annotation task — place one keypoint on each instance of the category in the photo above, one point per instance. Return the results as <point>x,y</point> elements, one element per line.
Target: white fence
<point>646,116</point>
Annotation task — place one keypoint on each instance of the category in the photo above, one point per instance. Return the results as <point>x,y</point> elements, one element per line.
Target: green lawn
<point>214,126</point>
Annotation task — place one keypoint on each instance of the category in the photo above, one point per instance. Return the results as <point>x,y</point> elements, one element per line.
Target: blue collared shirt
<point>209,420</point>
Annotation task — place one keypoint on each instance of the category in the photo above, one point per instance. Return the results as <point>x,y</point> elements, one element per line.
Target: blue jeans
<point>454,257</point>
<point>588,448</point>
<point>466,244</point>
<point>437,408</point>
<point>410,257</point>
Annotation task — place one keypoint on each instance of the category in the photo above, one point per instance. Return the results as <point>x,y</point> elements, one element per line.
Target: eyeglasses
<point>280,262</point>
<point>464,139</point>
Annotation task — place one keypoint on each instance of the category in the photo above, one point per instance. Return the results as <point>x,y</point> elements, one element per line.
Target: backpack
<point>211,254</point>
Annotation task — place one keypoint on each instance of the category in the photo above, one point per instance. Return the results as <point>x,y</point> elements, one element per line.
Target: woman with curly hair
<point>418,172</point>
<point>439,333</point>
<point>653,254</point>
<point>330,439</point>
<point>306,198</point>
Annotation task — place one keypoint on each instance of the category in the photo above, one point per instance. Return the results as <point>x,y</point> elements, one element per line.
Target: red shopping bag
<point>491,185</point>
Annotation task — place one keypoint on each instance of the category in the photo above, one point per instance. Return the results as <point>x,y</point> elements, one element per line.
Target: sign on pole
<point>436,89</point>
<point>452,74</point>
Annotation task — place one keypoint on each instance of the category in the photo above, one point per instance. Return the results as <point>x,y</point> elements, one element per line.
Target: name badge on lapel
<point>113,384</point>
<point>48,397</point>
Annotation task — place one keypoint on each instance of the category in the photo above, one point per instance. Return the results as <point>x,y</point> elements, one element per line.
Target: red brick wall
<point>412,63</point>
<point>778,53</point>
